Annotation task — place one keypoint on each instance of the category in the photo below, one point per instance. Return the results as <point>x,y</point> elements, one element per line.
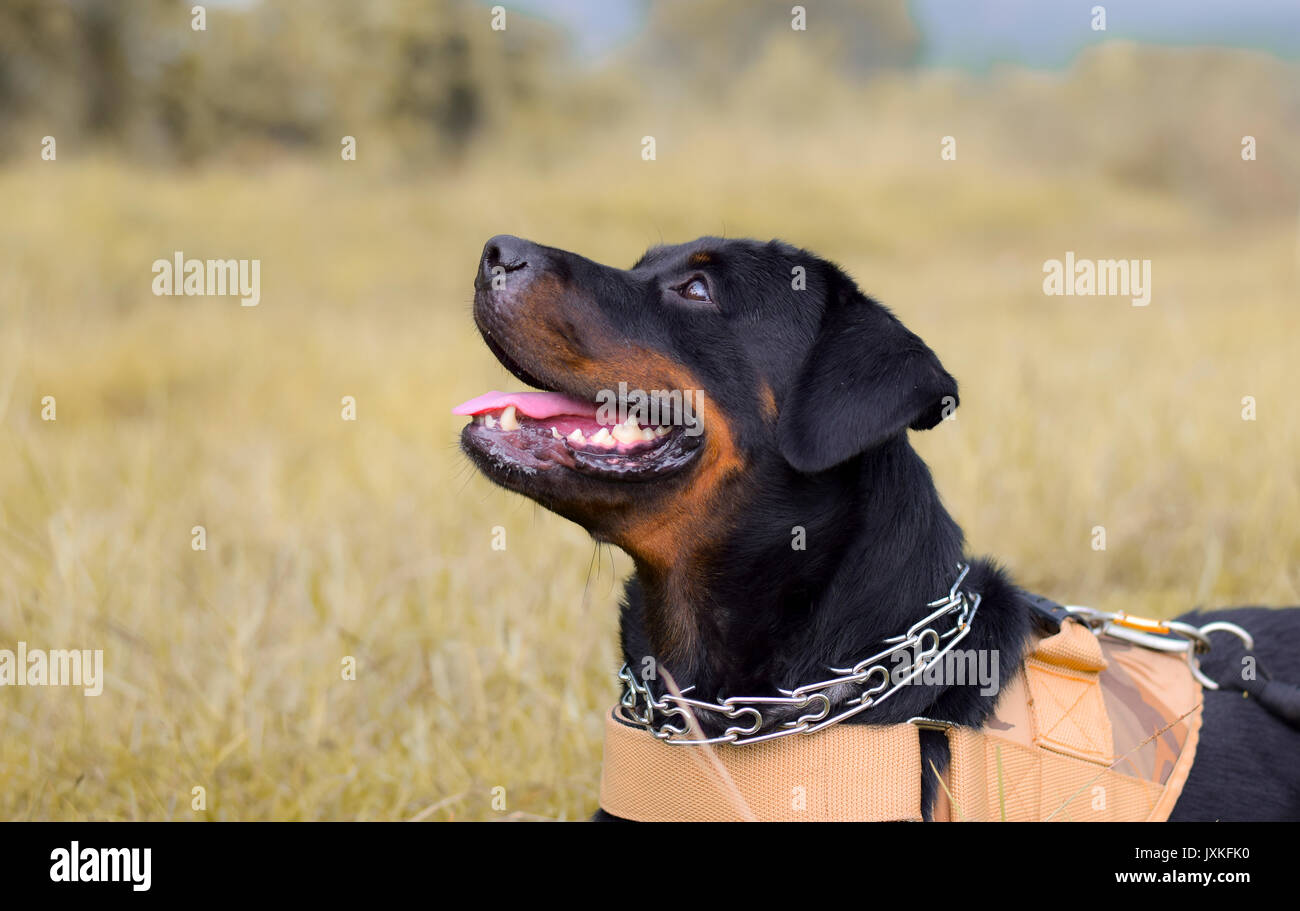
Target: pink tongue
<point>537,405</point>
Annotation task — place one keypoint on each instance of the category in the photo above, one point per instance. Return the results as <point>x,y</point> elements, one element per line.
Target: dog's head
<point>668,385</point>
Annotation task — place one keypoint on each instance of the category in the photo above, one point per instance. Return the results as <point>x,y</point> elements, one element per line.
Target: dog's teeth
<point>628,432</point>
<point>555,433</point>
<point>490,421</point>
<point>648,434</point>
<point>604,438</point>
<point>576,438</point>
<point>508,419</point>
<point>661,431</point>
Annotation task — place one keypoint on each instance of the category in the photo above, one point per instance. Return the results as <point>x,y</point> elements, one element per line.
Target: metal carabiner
<point>1218,626</point>
<point>1223,626</point>
<point>1161,635</point>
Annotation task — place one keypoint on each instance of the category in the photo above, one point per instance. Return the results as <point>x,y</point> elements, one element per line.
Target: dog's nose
<point>502,255</point>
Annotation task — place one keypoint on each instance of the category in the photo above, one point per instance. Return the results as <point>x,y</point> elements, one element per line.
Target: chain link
<point>760,718</point>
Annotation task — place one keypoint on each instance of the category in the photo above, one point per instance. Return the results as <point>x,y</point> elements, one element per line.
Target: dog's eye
<point>695,290</point>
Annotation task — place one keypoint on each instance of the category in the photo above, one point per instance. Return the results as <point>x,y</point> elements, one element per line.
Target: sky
<point>974,34</point>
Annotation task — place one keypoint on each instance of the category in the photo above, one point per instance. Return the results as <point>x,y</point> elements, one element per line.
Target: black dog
<point>808,390</point>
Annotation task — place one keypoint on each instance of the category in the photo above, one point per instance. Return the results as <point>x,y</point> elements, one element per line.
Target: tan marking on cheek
<point>674,539</point>
<point>666,536</point>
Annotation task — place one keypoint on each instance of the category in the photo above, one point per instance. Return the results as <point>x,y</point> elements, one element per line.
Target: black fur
<point>846,380</point>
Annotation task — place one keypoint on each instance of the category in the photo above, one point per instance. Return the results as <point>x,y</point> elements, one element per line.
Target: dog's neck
<point>842,561</point>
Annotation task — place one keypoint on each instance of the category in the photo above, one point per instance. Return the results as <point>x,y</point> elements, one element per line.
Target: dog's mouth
<point>541,431</point>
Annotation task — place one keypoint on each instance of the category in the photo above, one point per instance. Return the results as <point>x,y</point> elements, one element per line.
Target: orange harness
<point>1087,730</point>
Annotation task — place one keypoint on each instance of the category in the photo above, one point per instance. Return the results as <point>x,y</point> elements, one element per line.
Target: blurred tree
<point>426,74</point>
<point>717,40</point>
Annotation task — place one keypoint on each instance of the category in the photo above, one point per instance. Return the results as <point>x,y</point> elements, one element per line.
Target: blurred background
<point>482,674</point>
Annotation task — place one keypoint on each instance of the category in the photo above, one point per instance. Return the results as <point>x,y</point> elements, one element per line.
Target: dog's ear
<point>865,379</point>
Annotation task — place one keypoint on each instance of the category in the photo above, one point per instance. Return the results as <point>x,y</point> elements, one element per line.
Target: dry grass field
<point>479,669</point>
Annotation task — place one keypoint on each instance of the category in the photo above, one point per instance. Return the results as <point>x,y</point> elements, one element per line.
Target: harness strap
<point>1050,751</point>
<point>1048,615</point>
<point>832,776</point>
<point>1081,732</point>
